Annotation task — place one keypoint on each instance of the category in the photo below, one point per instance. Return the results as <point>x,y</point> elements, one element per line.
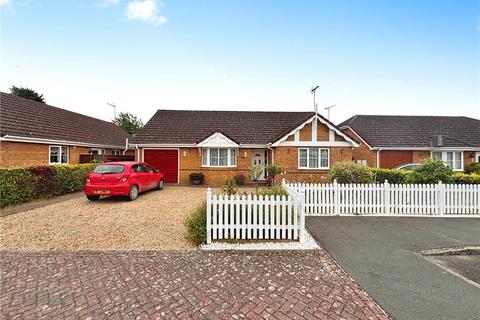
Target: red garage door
<point>164,160</point>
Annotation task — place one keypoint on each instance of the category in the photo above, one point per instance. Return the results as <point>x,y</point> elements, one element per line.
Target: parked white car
<point>408,166</point>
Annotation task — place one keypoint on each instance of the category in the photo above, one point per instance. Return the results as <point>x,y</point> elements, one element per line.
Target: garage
<point>393,158</point>
<point>164,160</point>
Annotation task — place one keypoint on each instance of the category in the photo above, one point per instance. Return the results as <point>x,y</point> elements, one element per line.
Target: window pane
<point>450,159</point>
<point>313,158</point>
<point>437,155</point>
<point>303,158</point>
<point>54,154</point>
<point>223,157</point>
<point>214,157</point>
<point>204,157</point>
<point>64,154</point>
<point>233,157</point>
<point>458,161</point>
<point>324,158</point>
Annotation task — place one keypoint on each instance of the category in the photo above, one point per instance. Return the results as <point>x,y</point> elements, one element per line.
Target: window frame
<point>444,158</point>
<point>319,159</point>
<point>60,149</point>
<point>116,152</point>
<point>232,155</point>
<point>99,151</point>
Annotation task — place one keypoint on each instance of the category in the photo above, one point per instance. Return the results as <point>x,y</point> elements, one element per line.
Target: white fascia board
<point>9,138</point>
<point>314,144</point>
<point>162,145</point>
<point>351,142</point>
<point>432,148</point>
<point>217,140</point>
<point>256,146</point>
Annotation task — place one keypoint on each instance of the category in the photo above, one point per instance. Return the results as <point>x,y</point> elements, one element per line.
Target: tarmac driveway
<point>380,254</point>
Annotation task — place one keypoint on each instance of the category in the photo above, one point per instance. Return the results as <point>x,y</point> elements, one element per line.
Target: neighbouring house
<point>389,141</point>
<point>223,144</point>
<point>33,133</point>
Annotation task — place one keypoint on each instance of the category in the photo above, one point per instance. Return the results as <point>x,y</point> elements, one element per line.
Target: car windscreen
<point>109,169</point>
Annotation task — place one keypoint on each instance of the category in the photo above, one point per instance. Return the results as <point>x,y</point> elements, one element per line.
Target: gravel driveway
<point>152,222</point>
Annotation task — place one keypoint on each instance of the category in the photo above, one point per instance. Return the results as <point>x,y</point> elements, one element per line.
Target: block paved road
<point>380,254</point>
<point>179,285</point>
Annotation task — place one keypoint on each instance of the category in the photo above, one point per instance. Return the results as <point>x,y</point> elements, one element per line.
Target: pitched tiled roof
<point>243,127</point>
<point>416,131</point>
<point>27,118</point>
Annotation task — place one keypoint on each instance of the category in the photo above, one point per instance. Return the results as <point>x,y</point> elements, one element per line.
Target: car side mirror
<point>156,170</point>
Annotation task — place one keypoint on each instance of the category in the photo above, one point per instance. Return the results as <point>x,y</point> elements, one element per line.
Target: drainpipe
<point>378,157</point>
<point>273,154</point>
<point>126,146</point>
<point>136,149</point>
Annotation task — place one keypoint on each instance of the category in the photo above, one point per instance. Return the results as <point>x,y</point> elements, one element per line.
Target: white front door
<point>260,158</point>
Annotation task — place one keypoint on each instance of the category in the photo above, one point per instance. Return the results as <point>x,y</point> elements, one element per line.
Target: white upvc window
<point>219,157</point>
<point>453,159</point>
<point>57,155</point>
<point>97,151</point>
<point>313,158</point>
<point>116,152</point>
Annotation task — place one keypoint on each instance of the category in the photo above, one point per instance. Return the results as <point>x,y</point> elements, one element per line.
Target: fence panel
<point>247,217</point>
<point>388,199</point>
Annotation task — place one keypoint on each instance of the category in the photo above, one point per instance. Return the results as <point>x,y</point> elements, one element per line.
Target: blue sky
<point>368,57</point>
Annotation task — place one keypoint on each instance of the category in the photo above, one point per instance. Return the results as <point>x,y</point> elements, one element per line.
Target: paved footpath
<point>179,285</point>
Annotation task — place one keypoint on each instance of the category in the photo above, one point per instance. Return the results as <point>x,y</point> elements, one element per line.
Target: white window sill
<point>303,168</point>
<point>219,167</point>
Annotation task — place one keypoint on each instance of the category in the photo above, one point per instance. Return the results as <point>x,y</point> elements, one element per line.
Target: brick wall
<point>20,154</point>
<point>363,152</point>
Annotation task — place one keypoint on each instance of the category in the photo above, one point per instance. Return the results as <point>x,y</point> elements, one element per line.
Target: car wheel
<point>93,198</point>
<point>133,193</point>
<point>161,184</point>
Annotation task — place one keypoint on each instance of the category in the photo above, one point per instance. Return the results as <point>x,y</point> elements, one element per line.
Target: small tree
<point>128,122</point>
<point>351,172</point>
<point>229,188</point>
<point>27,93</point>
<point>431,171</point>
<point>273,171</point>
<point>255,173</point>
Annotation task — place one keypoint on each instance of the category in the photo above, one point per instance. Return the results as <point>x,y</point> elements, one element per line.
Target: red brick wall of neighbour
<point>390,159</point>
<point>20,154</point>
<point>287,158</point>
<point>468,158</point>
<point>363,152</point>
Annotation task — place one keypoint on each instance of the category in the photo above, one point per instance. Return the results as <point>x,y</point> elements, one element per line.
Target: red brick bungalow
<point>34,133</point>
<point>223,144</point>
<point>391,141</point>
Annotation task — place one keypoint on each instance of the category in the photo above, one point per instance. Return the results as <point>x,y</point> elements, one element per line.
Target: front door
<point>260,158</point>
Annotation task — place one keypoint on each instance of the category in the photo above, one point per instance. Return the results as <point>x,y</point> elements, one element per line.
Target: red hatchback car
<point>122,179</point>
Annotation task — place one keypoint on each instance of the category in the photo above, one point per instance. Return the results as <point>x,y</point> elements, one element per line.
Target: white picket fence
<point>389,199</point>
<point>250,217</point>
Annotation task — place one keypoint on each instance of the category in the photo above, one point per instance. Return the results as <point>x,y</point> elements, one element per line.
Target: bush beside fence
<point>19,185</point>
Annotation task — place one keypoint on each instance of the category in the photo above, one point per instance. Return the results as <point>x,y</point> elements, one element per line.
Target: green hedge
<point>462,178</point>
<point>20,185</point>
<point>392,175</point>
<point>473,168</point>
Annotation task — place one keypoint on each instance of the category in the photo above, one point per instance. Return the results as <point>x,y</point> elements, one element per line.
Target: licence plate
<point>102,191</point>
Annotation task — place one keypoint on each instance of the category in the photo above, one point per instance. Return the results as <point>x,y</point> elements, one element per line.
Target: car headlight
<point>88,180</point>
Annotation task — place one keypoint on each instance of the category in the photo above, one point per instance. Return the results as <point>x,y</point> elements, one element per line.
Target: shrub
<point>430,171</point>
<point>272,191</point>
<point>462,178</point>
<point>196,224</point>
<point>45,186</point>
<point>229,187</point>
<point>273,171</point>
<point>24,184</point>
<point>473,168</point>
<point>351,172</point>
<point>240,179</point>
<point>392,175</point>
<point>16,186</point>
<point>70,178</point>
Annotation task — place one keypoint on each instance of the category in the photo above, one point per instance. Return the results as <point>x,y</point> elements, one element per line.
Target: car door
<point>150,176</point>
<point>142,176</point>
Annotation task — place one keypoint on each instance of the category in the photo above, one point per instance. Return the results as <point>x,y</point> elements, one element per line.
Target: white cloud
<point>146,11</point>
<point>4,2</point>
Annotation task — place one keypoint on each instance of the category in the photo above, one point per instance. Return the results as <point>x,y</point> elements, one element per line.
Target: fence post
<point>209,215</point>
<point>336,198</point>
<point>302,214</point>
<point>441,198</point>
<point>283,182</point>
<point>386,197</point>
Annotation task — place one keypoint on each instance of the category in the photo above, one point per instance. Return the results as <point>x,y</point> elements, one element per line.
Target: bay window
<point>219,157</point>
<point>453,159</point>
<point>313,158</point>
<point>57,154</point>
